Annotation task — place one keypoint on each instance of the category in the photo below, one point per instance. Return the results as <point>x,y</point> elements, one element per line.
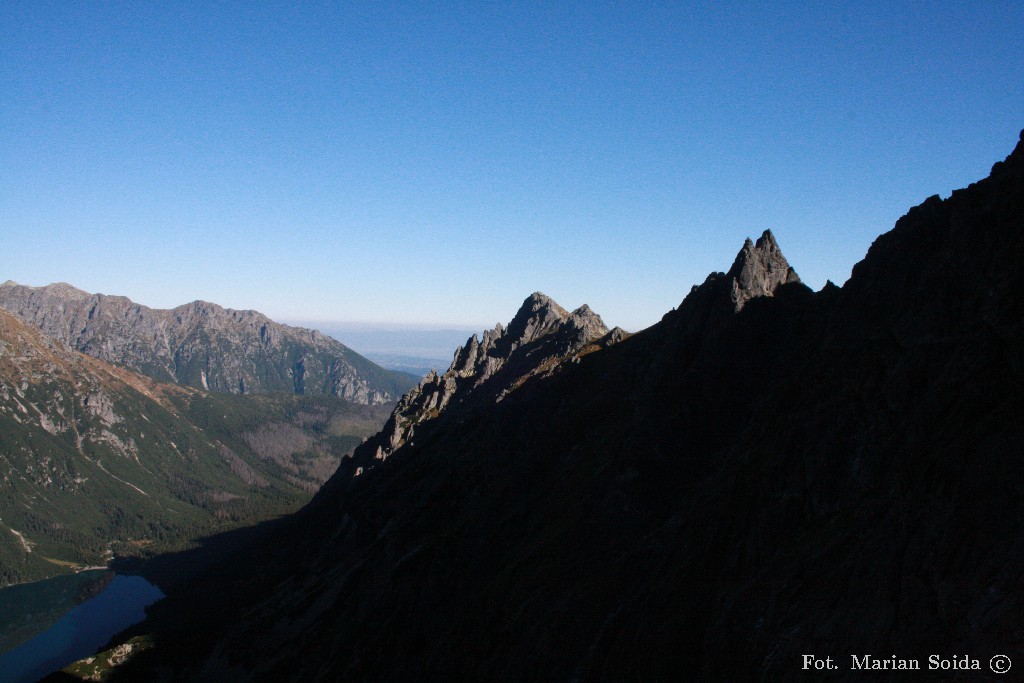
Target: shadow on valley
<point>214,564</point>
<point>212,553</point>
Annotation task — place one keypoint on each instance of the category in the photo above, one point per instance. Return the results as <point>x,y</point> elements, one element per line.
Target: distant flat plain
<point>408,348</point>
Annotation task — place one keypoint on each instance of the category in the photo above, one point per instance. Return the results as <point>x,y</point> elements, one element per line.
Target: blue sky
<point>435,163</point>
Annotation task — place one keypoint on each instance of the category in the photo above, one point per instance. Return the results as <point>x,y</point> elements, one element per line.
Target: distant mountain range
<point>203,345</point>
<point>769,472</point>
<point>96,460</point>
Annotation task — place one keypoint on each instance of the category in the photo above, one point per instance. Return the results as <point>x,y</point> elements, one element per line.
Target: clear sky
<point>435,163</point>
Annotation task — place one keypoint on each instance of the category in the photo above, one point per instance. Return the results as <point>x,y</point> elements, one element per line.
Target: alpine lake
<point>47,625</point>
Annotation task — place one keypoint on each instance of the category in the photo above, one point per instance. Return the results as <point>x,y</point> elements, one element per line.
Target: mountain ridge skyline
<point>403,163</point>
<point>324,325</point>
<point>203,344</point>
<point>769,471</point>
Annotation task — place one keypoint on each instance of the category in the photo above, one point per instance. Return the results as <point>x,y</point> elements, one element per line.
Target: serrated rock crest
<point>758,270</point>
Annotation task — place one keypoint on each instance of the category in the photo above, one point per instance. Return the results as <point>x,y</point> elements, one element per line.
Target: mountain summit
<point>758,270</point>
<point>540,339</point>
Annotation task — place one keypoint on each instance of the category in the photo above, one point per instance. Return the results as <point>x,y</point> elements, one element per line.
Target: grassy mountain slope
<point>97,461</point>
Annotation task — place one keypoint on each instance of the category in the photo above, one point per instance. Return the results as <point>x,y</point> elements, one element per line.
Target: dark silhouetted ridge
<point>766,473</point>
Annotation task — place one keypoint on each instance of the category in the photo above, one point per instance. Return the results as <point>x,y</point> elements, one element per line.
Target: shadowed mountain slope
<point>539,340</point>
<point>768,472</point>
<point>203,345</point>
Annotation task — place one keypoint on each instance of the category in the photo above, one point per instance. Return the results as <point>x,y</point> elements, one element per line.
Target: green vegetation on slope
<point>96,461</point>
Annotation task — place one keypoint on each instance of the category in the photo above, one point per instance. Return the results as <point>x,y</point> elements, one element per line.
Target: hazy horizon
<point>432,345</point>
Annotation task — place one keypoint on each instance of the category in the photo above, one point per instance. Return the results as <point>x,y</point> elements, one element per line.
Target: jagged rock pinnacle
<point>538,316</point>
<point>541,336</point>
<point>586,325</point>
<point>758,269</point>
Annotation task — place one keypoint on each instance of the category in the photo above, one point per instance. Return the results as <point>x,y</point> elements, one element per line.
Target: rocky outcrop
<point>759,269</point>
<point>203,345</point>
<point>541,337</point>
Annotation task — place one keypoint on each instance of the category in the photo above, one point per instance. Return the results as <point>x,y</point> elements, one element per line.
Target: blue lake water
<point>81,632</point>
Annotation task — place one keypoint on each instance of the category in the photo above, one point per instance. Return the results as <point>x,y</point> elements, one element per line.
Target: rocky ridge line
<point>543,336</point>
<point>540,338</point>
<point>202,345</point>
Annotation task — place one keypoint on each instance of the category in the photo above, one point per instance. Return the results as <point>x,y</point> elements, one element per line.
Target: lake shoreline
<point>91,614</point>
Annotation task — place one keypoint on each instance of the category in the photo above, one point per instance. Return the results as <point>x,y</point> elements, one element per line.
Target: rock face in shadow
<point>203,345</point>
<point>753,479</point>
<point>539,340</point>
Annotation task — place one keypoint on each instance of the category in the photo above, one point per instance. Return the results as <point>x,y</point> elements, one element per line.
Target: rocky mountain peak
<point>584,313</point>
<point>585,326</point>
<point>539,315</point>
<point>758,269</point>
<point>540,329</point>
<point>539,340</point>
<point>60,290</point>
<point>63,289</point>
<point>202,344</point>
